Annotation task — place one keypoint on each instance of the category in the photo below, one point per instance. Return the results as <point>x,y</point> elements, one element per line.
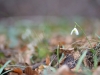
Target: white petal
<point>72,32</point>
<point>76,31</point>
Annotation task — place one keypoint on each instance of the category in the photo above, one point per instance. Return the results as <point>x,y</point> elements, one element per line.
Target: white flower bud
<point>75,31</point>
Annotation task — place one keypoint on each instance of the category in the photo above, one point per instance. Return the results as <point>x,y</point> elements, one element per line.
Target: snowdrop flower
<point>75,31</point>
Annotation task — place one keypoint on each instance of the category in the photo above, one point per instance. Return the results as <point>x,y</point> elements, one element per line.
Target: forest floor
<point>49,49</point>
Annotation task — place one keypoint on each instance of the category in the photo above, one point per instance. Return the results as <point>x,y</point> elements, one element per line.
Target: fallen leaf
<point>29,71</point>
<point>47,60</point>
<point>40,68</point>
<point>69,61</point>
<point>67,51</point>
<point>17,70</point>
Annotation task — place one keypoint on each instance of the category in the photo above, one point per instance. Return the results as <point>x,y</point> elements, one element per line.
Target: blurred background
<point>48,16</point>
<point>37,12</point>
<point>23,22</point>
<point>64,8</point>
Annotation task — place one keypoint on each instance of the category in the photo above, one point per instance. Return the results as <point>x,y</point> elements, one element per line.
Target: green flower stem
<point>92,50</point>
<point>84,34</point>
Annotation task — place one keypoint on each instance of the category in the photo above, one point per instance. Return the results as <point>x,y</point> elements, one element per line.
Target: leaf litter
<point>25,60</point>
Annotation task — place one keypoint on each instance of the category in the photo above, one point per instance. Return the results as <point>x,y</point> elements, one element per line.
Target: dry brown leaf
<point>23,48</point>
<point>67,51</point>
<point>47,60</point>
<point>40,68</point>
<point>17,70</point>
<point>69,61</point>
<point>29,71</point>
<point>76,55</point>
